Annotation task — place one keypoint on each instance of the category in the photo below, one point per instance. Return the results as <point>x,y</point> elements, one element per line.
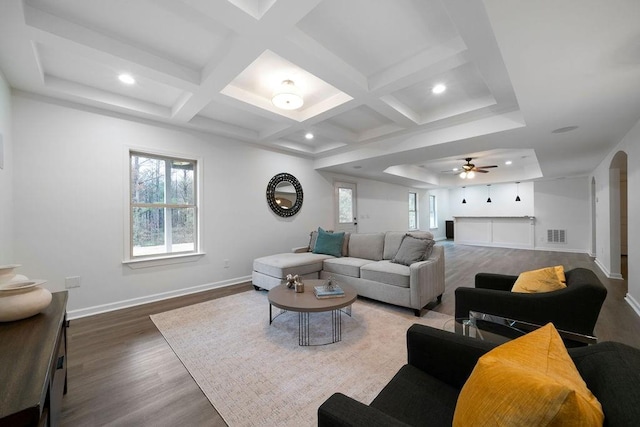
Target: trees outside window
<point>413,211</point>
<point>163,205</point>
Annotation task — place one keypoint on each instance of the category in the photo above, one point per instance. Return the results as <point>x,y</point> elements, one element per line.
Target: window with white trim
<point>163,205</point>
<point>413,211</point>
<point>433,216</point>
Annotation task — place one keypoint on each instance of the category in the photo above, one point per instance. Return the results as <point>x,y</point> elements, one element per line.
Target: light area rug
<point>256,374</point>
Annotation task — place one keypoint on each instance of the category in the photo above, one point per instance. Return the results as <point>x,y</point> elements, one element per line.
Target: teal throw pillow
<point>329,243</point>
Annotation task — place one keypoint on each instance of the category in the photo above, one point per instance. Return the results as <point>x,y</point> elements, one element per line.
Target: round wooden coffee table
<point>306,302</point>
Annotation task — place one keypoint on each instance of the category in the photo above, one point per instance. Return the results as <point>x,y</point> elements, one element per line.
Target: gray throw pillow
<point>413,250</point>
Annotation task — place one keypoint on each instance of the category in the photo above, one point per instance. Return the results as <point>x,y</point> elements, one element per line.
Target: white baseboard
<point>104,308</point>
<point>633,303</point>
<point>606,271</point>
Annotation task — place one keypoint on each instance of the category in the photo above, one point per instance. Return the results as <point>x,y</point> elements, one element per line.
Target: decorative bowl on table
<point>20,297</point>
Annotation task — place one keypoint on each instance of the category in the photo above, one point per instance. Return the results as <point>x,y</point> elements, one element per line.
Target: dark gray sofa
<point>424,392</point>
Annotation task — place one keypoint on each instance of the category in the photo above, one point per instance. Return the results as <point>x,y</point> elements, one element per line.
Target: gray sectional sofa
<point>366,265</point>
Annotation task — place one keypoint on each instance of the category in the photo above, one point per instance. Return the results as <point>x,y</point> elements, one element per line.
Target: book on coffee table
<point>324,292</point>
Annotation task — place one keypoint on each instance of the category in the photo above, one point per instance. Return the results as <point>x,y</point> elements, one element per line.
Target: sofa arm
<point>444,355</point>
<point>426,278</point>
<point>300,250</point>
<point>340,410</point>
<point>500,282</point>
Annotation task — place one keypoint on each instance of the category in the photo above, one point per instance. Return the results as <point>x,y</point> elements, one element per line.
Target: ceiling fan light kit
<point>469,169</point>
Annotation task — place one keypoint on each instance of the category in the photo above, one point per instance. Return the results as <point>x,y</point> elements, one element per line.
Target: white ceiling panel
<point>365,70</point>
<point>66,66</point>
<point>145,24</point>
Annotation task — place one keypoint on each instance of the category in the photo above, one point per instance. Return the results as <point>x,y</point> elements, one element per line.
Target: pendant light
<point>464,199</point>
<point>517,192</point>
<point>489,193</point>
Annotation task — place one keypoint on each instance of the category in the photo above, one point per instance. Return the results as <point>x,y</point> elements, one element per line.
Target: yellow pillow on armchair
<point>530,381</point>
<point>542,280</point>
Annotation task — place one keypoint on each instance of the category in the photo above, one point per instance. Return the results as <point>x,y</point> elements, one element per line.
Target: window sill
<point>163,260</point>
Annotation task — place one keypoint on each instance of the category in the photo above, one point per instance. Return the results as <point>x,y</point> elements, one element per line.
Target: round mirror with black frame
<point>284,195</point>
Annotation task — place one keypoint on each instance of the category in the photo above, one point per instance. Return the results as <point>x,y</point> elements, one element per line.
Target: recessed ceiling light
<point>565,129</point>
<point>126,79</point>
<point>439,88</point>
<point>508,162</point>
<point>308,135</point>
<point>455,169</point>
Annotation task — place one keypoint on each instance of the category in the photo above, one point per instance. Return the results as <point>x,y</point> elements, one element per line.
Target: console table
<point>33,357</point>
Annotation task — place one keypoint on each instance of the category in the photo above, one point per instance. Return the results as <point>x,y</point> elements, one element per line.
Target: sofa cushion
<point>542,280</point>
<point>528,381</point>
<point>366,245</point>
<point>280,265</point>
<point>386,272</point>
<point>313,236</point>
<point>413,250</point>
<point>328,243</point>
<point>347,266</point>
<point>393,239</point>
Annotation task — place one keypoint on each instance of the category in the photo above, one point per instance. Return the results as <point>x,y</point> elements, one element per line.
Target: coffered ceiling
<point>514,72</point>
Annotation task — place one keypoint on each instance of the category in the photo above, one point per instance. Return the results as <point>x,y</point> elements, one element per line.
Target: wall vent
<point>556,236</point>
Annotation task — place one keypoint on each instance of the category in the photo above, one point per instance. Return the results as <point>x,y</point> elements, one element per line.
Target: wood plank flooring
<point>123,373</point>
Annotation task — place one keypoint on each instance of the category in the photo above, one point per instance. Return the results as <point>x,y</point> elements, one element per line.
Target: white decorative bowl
<point>7,274</point>
<point>22,299</point>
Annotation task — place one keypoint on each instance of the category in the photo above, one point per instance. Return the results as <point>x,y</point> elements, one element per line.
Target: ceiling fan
<point>469,169</point>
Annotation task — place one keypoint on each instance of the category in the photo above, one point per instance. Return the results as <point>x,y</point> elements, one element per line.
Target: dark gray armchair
<point>574,308</point>
<point>425,391</point>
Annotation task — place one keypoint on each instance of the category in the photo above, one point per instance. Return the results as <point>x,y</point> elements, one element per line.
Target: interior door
<point>345,203</point>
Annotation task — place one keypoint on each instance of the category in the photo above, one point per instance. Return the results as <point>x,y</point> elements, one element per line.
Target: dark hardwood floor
<point>123,373</point>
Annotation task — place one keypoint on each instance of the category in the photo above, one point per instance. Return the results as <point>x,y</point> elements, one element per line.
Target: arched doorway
<point>618,214</point>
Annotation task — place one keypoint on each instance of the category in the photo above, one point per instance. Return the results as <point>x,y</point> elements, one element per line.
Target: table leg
<point>336,323</point>
<point>303,328</point>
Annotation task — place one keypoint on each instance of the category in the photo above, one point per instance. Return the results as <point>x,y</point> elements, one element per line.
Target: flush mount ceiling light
<point>438,89</point>
<point>287,96</point>
<point>308,135</point>
<point>508,162</point>
<point>126,79</point>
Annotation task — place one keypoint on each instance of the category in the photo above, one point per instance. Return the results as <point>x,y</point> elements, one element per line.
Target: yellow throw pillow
<point>543,280</point>
<point>530,381</point>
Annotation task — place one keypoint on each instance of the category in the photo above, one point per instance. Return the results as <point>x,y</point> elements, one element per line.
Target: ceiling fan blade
<point>481,171</point>
<point>487,167</point>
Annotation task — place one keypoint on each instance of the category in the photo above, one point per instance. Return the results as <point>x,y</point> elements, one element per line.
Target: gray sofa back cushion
<point>393,239</point>
<point>366,245</point>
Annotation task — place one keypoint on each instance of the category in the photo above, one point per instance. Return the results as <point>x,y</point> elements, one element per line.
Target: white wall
<point>563,204</point>
<point>380,206</point>
<point>6,175</point>
<point>503,202</point>
<point>630,144</point>
<point>442,207</point>
<point>70,186</point>
<point>558,204</point>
